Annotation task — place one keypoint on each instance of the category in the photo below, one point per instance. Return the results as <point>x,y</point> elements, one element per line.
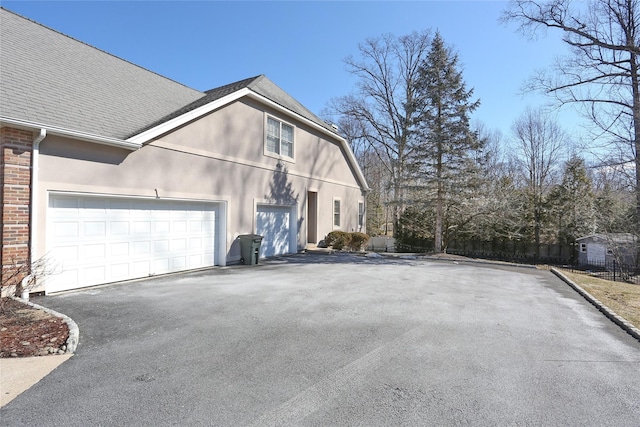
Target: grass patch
<point>622,298</point>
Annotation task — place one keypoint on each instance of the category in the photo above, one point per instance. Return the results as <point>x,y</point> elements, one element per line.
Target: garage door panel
<point>161,265</point>
<point>195,243</point>
<point>94,274</point>
<point>178,245</point>
<point>119,249</point>
<point>142,268</point>
<point>119,271</point>
<point>141,227</point>
<point>178,263</point>
<point>119,228</point>
<point>179,226</point>
<point>94,228</point>
<point>142,248</point>
<point>69,277</point>
<point>66,230</point>
<point>98,239</point>
<point>65,253</point>
<point>161,246</point>
<point>95,251</point>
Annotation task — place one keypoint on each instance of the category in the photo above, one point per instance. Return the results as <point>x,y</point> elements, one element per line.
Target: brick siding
<point>15,194</point>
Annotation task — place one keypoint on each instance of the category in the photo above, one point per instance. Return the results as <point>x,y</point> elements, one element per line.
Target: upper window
<point>279,138</point>
<point>336,212</point>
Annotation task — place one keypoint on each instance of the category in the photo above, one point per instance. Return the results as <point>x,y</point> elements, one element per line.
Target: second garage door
<point>277,226</point>
<point>93,240</point>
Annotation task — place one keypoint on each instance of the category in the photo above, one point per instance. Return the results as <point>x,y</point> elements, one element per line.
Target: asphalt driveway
<point>318,340</point>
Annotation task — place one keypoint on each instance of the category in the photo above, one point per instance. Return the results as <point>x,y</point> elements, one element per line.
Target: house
<point>603,249</point>
<point>112,172</point>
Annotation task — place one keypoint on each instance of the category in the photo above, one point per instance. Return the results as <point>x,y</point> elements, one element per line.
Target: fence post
<point>614,270</point>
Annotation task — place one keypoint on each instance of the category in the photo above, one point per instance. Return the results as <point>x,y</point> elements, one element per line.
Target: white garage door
<point>274,224</point>
<point>94,240</point>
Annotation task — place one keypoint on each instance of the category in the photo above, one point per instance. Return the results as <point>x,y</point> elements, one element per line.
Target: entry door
<point>312,217</point>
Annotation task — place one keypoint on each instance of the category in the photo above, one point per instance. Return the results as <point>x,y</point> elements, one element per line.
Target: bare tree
<point>383,102</point>
<point>601,74</point>
<point>18,276</point>
<point>539,144</point>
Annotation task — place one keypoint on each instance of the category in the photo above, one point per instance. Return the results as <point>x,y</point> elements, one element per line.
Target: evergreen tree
<point>443,163</point>
<point>573,202</point>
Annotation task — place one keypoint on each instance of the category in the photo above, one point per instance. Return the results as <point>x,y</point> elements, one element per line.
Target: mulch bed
<point>28,331</point>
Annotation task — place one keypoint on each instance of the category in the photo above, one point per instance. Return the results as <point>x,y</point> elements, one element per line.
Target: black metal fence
<point>609,270</point>
<point>564,256</point>
<point>504,250</point>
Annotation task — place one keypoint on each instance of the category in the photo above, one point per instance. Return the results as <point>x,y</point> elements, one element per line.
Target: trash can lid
<point>250,237</point>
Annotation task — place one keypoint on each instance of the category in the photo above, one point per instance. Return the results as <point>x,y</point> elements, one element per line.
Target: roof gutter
<point>83,136</point>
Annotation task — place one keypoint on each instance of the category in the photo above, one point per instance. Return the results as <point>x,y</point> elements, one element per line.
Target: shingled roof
<point>50,79</point>
<point>260,85</point>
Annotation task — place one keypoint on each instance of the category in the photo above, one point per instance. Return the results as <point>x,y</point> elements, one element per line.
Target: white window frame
<point>339,213</point>
<point>278,154</point>
<point>361,213</point>
<point>583,247</point>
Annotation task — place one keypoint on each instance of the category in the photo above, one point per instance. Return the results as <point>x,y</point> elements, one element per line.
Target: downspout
<point>33,235</point>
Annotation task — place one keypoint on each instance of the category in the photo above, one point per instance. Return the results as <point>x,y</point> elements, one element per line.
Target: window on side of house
<point>360,214</point>
<point>336,212</point>
<point>583,247</point>
<point>279,138</point>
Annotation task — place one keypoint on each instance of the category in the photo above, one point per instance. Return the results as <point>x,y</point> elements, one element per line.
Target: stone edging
<point>623,323</point>
<point>74,332</point>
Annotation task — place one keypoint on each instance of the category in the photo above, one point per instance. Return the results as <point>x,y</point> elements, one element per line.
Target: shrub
<point>341,239</point>
<point>357,241</point>
<point>337,239</point>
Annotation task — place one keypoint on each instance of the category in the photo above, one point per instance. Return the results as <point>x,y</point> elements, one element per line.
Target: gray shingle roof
<point>51,79</point>
<point>260,85</point>
<point>265,87</point>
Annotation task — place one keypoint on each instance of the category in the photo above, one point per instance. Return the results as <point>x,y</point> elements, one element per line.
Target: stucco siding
<point>219,158</point>
<point>235,134</point>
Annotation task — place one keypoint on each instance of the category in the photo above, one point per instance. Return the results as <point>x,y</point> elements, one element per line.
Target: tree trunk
<point>439,203</point>
<point>636,141</point>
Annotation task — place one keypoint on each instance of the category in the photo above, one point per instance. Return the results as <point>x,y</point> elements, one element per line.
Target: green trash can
<point>250,248</point>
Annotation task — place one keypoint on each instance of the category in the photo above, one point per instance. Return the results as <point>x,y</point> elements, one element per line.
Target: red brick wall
<point>15,193</point>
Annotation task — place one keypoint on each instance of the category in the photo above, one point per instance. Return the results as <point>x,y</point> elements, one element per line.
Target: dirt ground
<point>27,331</point>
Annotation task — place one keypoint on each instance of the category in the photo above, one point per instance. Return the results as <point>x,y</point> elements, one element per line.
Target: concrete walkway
<point>20,373</point>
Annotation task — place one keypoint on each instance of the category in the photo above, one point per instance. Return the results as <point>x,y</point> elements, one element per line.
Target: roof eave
<point>185,118</point>
<point>70,133</point>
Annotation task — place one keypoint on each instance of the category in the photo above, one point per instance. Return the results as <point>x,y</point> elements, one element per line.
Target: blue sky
<point>300,45</point>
